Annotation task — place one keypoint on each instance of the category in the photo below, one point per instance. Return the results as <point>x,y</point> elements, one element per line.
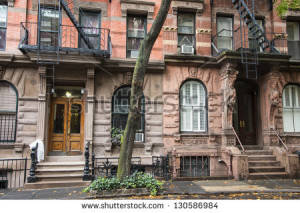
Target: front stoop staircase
<point>59,171</point>
<point>263,164</point>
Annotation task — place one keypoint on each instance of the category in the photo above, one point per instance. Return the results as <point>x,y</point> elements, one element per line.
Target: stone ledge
<point>120,193</point>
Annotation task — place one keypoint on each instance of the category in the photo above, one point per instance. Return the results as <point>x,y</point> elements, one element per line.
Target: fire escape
<point>250,29</point>
<point>51,36</point>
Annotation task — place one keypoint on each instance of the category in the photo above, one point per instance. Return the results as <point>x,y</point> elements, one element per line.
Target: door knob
<point>244,124</point>
<point>241,124</point>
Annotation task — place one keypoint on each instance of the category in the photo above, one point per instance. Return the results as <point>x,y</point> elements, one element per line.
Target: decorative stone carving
<point>230,99</point>
<point>244,167</point>
<point>98,151</point>
<point>128,78</point>
<point>231,142</point>
<point>190,141</point>
<point>169,28</point>
<point>193,72</point>
<point>273,93</point>
<point>137,6</point>
<point>188,5</point>
<point>228,69</point>
<point>11,3</point>
<point>2,72</point>
<point>203,31</point>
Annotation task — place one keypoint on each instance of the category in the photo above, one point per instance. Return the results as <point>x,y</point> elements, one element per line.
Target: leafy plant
<point>136,180</point>
<point>117,135</point>
<point>286,5</point>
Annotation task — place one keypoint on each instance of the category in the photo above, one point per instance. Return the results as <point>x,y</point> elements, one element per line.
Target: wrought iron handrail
<point>237,137</point>
<point>86,170</point>
<point>285,146</point>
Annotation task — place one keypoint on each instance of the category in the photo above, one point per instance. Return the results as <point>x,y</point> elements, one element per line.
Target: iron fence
<point>13,172</point>
<point>108,166</point>
<point>161,167</point>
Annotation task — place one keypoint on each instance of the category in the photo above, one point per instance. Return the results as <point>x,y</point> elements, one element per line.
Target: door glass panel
<point>58,126</point>
<point>75,118</point>
<point>248,112</point>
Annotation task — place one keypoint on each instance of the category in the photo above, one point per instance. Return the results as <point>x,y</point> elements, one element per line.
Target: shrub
<point>136,180</point>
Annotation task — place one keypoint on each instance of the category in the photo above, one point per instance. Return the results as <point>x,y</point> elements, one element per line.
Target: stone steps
<point>269,175</point>
<point>56,184</point>
<point>262,164</point>
<point>59,171</point>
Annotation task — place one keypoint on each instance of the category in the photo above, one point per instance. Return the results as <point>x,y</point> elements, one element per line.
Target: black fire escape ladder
<point>65,6</point>
<point>248,17</point>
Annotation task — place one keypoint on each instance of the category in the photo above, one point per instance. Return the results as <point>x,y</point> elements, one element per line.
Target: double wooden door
<point>244,120</point>
<point>66,126</point>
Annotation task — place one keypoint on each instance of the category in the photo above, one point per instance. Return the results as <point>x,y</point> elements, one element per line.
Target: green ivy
<point>117,135</point>
<point>286,5</point>
<point>136,180</point>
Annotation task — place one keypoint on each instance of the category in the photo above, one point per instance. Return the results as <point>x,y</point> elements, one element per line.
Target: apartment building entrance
<point>244,115</point>
<point>66,125</point>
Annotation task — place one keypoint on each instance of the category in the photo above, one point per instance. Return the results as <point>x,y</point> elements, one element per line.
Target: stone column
<point>40,134</point>
<point>228,74</point>
<point>89,108</point>
<point>271,105</point>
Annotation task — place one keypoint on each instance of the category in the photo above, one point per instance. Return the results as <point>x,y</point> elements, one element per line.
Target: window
<point>186,29</point>
<point>91,27</point>
<point>3,26</point>
<point>49,27</point>
<point>193,107</point>
<point>8,112</point>
<point>291,108</point>
<point>224,33</point>
<point>293,32</point>
<point>120,109</point>
<point>194,166</point>
<point>136,32</point>
<point>253,44</point>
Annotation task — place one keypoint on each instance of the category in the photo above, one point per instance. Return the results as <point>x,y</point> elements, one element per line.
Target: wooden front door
<point>244,120</point>
<point>66,126</point>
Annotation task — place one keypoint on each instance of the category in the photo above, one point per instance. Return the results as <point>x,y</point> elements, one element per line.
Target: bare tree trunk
<point>137,90</point>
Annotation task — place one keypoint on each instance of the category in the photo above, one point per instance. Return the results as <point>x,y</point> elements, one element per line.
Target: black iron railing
<point>161,167</point>
<point>34,161</point>
<point>227,40</point>
<point>13,172</point>
<point>194,166</point>
<point>8,128</point>
<point>108,166</point>
<point>69,39</point>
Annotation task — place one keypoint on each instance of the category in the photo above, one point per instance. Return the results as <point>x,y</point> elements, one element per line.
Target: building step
<point>269,175</point>
<point>57,165</point>
<point>59,177</point>
<point>260,169</point>
<point>251,147</point>
<point>56,184</point>
<point>261,158</point>
<point>259,152</point>
<point>263,163</point>
<point>59,171</point>
<point>77,158</point>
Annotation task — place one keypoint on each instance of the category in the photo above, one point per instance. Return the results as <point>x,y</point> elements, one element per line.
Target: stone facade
<point>167,71</point>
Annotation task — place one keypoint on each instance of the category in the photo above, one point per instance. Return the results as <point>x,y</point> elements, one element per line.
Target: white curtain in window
<point>291,108</point>
<point>192,111</point>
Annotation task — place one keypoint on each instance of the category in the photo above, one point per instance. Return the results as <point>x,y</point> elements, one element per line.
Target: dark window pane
<point>185,39</point>
<point>7,127</point>
<point>91,27</point>
<point>75,118</point>
<point>49,39</point>
<point>135,34</point>
<point>59,111</point>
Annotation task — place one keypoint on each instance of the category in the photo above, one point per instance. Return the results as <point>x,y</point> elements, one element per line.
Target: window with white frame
<point>3,25</point>
<point>291,108</point>
<point>193,107</point>
<point>224,33</point>
<point>8,112</point>
<point>49,27</point>
<point>186,29</point>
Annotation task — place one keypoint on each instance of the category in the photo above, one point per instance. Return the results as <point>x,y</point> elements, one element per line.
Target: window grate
<point>194,166</point>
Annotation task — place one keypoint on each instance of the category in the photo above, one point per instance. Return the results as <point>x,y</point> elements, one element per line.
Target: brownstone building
<point>221,93</point>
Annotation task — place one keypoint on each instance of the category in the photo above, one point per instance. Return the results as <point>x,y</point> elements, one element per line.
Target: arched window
<point>120,109</point>
<point>193,116</point>
<point>291,108</point>
<point>8,112</point>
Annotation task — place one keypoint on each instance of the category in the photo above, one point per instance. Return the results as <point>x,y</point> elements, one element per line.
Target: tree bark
<point>133,120</point>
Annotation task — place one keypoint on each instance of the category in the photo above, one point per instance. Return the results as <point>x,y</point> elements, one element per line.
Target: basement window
<point>194,166</point>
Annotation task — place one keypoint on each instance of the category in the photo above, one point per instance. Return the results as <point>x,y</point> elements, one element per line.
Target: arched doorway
<point>245,113</point>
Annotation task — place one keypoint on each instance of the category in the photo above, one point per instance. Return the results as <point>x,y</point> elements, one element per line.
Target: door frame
<point>67,115</point>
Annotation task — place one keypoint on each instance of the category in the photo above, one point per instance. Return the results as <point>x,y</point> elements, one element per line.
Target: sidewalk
<point>170,188</point>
